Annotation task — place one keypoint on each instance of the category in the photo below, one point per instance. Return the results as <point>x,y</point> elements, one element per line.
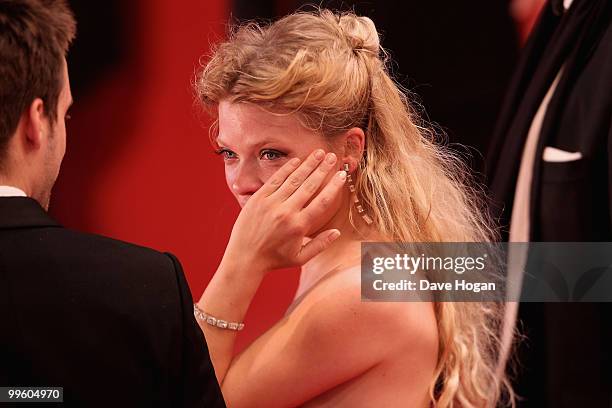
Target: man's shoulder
<point>97,245</point>
<point>62,249</point>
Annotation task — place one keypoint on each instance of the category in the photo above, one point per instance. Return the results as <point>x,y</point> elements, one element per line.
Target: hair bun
<point>360,33</point>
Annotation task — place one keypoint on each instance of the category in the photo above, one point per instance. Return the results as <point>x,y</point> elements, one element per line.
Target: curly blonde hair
<point>330,69</point>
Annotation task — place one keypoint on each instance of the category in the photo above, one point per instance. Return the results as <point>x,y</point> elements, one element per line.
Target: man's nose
<point>247,180</point>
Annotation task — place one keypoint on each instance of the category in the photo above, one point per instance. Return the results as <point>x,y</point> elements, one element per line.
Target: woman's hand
<point>269,234</point>
<point>270,230</point>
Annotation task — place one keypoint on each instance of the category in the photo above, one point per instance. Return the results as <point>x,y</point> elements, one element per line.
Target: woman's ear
<point>354,144</point>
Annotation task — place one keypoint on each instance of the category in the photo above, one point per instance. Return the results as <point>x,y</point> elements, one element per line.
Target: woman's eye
<point>226,154</point>
<point>271,155</point>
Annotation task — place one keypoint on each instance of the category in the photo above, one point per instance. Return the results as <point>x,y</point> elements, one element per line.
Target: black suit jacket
<point>110,322</point>
<point>566,361</point>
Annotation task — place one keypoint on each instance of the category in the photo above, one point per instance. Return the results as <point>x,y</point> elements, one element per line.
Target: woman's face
<point>255,143</point>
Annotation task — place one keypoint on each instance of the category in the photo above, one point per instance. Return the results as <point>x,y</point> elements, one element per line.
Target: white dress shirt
<point>10,191</point>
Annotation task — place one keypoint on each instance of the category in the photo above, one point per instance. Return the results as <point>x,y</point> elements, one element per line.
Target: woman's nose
<point>246,180</point>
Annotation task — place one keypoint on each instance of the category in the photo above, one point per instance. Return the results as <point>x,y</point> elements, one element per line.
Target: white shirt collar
<point>10,191</point>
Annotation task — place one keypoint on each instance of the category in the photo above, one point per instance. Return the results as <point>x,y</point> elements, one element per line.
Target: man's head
<point>34,92</point>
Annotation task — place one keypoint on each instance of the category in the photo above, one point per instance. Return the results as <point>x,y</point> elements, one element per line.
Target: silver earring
<point>356,201</point>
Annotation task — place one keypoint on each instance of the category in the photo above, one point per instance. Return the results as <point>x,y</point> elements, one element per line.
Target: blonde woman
<point>318,81</point>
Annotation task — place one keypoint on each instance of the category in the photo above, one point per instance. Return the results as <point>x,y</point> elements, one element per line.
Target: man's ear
<point>36,123</point>
<point>354,144</point>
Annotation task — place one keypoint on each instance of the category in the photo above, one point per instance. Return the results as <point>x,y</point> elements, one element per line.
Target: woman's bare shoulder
<point>334,311</point>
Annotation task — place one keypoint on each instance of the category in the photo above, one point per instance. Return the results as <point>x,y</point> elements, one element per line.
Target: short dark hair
<point>34,39</point>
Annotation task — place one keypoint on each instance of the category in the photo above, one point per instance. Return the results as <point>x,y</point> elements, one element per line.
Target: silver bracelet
<point>213,321</point>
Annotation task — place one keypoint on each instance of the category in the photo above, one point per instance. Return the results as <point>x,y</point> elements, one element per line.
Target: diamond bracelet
<point>213,321</point>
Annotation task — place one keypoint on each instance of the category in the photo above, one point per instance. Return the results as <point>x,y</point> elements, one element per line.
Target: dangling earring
<point>358,205</point>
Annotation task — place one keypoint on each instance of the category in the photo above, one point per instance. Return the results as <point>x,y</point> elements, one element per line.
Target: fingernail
<point>333,235</point>
<point>295,161</point>
<point>319,154</point>
<point>331,158</point>
<point>342,175</point>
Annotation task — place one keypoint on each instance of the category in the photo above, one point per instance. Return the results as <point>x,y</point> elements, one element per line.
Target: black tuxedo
<point>566,360</point>
<point>110,322</point>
